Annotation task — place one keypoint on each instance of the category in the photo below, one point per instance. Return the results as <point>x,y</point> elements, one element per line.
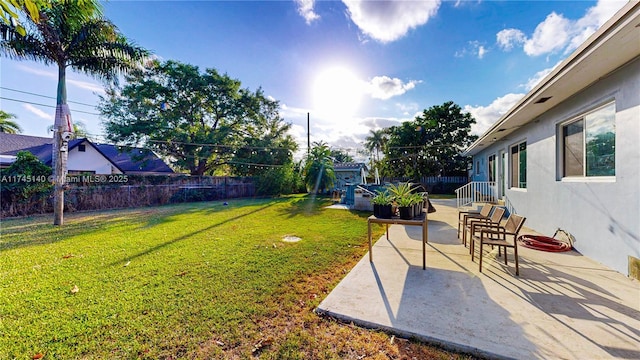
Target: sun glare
<point>337,93</point>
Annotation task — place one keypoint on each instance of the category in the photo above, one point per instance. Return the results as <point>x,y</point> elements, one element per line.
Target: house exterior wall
<point>89,160</point>
<point>603,214</point>
<point>344,177</point>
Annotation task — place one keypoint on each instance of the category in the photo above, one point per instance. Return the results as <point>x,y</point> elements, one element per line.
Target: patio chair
<point>501,236</point>
<point>475,224</point>
<point>463,216</point>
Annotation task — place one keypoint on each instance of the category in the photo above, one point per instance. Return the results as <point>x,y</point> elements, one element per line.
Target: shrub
<point>26,185</point>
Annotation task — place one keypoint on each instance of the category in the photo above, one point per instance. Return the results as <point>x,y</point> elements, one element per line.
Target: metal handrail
<point>476,191</point>
<point>366,190</point>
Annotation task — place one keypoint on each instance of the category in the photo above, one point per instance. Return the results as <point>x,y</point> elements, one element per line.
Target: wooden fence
<point>82,196</point>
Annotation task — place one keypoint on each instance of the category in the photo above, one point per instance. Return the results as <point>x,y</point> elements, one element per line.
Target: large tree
<point>70,34</point>
<point>431,144</point>
<point>7,125</point>
<point>200,121</point>
<point>263,142</point>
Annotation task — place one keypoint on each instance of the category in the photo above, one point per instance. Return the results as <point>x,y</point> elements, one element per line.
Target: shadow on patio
<point>563,305</point>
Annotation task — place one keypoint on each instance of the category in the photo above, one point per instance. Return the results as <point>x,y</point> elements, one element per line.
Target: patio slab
<point>562,306</point>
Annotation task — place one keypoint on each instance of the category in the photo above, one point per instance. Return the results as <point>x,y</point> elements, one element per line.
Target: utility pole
<point>62,133</point>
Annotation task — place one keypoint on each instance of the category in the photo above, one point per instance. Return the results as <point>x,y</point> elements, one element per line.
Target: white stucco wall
<point>603,215</point>
<point>90,160</point>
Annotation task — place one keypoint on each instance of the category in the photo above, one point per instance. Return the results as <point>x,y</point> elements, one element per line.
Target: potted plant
<point>405,206</point>
<point>382,205</point>
<point>403,197</point>
<point>418,201</point>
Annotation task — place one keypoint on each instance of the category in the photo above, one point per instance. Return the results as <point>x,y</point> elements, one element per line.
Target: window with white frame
<point>589,143</point>
<point>519,165</point>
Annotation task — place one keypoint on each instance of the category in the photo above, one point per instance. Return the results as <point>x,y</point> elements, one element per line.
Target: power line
<point>44,96</point>
<point>50,106</point>
<point>264,148</point>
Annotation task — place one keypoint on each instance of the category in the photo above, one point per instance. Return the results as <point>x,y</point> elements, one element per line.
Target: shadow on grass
<point>186,236</point>
<point>310,205</point>
<point>21,233</point>
<point>39,230</point>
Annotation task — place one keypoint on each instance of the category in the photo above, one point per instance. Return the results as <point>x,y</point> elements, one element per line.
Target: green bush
<point>25,185</point>
<point>279,181</point>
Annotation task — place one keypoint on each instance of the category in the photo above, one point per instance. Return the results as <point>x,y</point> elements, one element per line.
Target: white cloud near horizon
<point>384,87</point>
<point>37,112</point>
<point>557,33</point>
<point>306,10</point>
<point>387,21</point>
<point>487,115</point>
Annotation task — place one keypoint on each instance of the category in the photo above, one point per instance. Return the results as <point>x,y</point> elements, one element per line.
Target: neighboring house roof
<point>12,142</point>
<point>127,160</point>
<point>615,44</point>
<point>43,151</point>
<point>133,159</point>
<point>350,166</point>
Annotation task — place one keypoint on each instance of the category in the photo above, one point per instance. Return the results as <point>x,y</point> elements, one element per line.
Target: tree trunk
<point>60,153</point>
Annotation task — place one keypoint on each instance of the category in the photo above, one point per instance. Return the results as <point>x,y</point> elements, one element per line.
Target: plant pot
<point>382,211</point>
<point>406,212</point>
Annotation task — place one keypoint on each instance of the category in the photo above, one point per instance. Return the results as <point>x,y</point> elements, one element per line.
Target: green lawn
<point>196,280</point>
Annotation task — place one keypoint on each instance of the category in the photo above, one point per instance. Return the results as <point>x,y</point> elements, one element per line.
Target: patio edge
<point>447,345</point>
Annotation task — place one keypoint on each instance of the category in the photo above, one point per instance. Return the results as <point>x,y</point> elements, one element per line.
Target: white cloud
<point>556,32</point>
<point>375,123</point>
<point>481,51</point>
<point>550,35</point>
<point>487,115</point>
<point>535,79</point>
<point>388,21</point>
<point>305,9</point>
<point>473,48</point>
<point>39,113</point>
<point>86,85</point>
<point>384,87</point>
<point>508,38</point>
<point>408,108</point>
<point>595,17</point>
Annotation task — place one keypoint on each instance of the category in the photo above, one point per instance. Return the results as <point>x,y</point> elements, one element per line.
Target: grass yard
<point>196,280</point>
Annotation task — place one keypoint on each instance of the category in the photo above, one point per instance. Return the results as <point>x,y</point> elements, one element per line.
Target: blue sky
<point>353,65</point>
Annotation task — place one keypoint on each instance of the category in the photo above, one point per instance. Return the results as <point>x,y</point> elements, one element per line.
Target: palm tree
<point>71,34</point>
<point>319,173</point>
<point>7,125</point>
<point>10,9</point>
<point>376,141</point>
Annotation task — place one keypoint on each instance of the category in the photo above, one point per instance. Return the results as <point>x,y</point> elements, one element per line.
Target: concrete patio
<point>562,306</point>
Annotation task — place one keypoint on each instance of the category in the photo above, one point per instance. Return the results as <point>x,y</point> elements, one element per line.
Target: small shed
<point>348,173</point>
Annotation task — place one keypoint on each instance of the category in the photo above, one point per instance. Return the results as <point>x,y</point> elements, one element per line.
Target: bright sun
<point>337,92</point>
